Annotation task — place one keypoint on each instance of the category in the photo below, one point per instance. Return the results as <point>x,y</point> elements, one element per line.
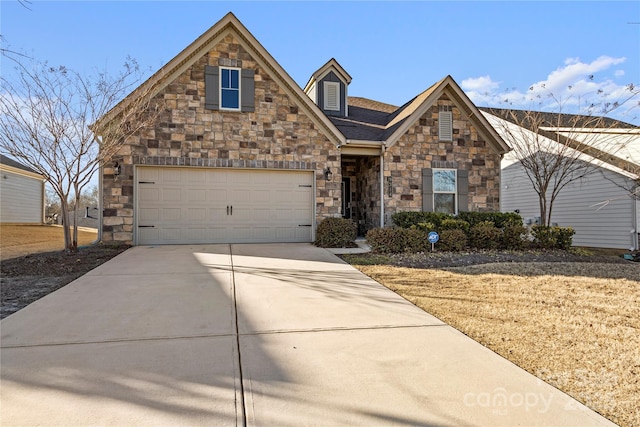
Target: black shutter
<point>427,190</point>
<point>247,87</point>
<point>211,89</point>
<point>463,190</point>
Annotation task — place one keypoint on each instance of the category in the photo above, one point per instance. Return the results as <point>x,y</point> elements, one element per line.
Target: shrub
<point>454,224</point>
<point>514,235</point>
<point>336,233</point>
<point>387,240</point>
<point>499,219</point>
<point>546,237</point>
<point>452,240</point>
<point>407,219</point>
<point>424,226</point>
<point>416,240</point>
<point>564,237</point>
<point>484,235</point>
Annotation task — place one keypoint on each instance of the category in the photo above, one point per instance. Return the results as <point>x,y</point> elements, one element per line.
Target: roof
<point>550,119</point>
<point>7,161</point>
<point>192,53</point>
<point>615,144</point>
<point>331,64</point>
<point>370,120</point>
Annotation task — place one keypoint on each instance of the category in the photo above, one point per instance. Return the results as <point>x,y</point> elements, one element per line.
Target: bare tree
<point>556,149</point>
<point>47,117</point>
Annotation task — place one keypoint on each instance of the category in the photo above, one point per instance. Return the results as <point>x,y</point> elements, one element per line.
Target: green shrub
<point>424,226</point>
<point>454,240</point>
<point>336,233</point>
<point>499,219</point>
<point>484,235</point>
<point>546,237</point>
<point>543,237</point>
<point>454,224</point>
<point>386,240</point>
<point>408,219</point>
<point>564,237</point>
<point>514,235</point>
<point>416,240</point>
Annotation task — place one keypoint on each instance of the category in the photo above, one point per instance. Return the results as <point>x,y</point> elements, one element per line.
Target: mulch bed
<point>26,279</point>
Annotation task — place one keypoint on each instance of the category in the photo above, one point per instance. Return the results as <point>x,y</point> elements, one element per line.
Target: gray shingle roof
<point>10,162</point>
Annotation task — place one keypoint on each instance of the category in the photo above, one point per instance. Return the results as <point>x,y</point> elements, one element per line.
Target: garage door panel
<point>196,214</point>
<point>171,215</point>
<point>149,214</point>
<point>223,205</point>
<point>147,194</point>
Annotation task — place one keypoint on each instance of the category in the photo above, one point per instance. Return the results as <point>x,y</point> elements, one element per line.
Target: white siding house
<point>601,207</point>
<point>21,194</point>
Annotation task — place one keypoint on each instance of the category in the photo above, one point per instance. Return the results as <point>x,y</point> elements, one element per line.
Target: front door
<point>346,198</point>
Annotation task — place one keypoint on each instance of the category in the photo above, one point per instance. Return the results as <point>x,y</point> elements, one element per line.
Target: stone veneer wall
<point>420,148</point>
<point>278,135</point>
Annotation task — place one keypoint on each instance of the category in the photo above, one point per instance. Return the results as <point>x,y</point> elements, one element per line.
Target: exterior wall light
<point>328,175</point>
<point>117,168</point>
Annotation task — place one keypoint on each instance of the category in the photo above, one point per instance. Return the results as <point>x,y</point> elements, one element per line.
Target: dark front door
<point>346,198</point>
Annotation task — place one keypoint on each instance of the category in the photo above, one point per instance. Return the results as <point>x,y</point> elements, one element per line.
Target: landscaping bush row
<point>408,219</point>
<point>477,230</point>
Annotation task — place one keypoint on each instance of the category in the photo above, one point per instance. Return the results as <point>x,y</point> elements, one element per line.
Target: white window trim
<point>239,88</point>
<point>328,107</point>
<point>454,192</point>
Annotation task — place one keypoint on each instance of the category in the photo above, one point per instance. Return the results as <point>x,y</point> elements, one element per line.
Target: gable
<point>230,26</point>
<point>447,89</point>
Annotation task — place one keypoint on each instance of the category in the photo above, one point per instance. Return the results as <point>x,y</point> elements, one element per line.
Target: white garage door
<point>197,205</point>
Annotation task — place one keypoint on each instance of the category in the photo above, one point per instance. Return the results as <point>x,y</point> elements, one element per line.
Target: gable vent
<point>445,124</point>
<point>332,96</point>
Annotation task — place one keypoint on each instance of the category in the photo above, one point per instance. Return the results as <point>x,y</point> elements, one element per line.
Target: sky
<point>502,53</point>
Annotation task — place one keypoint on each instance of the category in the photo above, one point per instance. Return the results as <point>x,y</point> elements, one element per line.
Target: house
<point>604,206</point>
<point>21,193</point>
<point>242,153</point>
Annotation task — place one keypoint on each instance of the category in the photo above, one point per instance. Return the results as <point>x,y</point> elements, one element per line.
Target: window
<point>444,190</point>
<point>445,123</point>
<point>332,96</point>
<point>229,88</point>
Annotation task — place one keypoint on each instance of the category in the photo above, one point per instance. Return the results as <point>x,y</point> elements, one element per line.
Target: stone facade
<point>420,148</point>
<point>278,135</point>
<point>417,149</point>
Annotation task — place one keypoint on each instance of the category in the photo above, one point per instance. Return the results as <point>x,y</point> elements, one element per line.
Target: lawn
<point>575,325</point>
<point>20,240</point>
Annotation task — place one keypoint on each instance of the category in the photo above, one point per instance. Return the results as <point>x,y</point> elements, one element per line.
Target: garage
<point>180,205</point>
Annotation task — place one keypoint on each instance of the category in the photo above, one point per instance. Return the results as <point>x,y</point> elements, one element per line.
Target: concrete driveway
<point>271,335</point>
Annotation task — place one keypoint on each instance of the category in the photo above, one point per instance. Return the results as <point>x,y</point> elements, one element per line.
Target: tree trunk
<point>543,209</point>
<point>64,206</point>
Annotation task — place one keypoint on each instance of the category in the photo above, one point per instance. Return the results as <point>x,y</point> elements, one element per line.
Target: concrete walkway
<point>271,335</point>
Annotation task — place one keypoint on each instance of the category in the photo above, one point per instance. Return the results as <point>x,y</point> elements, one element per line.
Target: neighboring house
<point>86,216</point>
<point>21,193</point>
<point>603,207</point>
<point>244,154</point>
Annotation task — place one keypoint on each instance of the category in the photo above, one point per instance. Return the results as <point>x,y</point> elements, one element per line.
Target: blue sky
<point>393,50</point>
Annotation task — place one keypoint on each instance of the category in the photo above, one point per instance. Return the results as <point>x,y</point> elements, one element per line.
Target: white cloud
<point>483,83</point>
<point>573,87</point>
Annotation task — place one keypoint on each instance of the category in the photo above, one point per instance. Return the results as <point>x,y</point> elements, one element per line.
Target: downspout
<point>100,198</point>
<point>100,194</point>
<point>43,219</point>
<point>635,233</point>
<point>382,186</point>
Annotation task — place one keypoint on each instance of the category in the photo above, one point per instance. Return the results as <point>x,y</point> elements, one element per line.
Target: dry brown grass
<point>20,240</point>
<point>574,325</point>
